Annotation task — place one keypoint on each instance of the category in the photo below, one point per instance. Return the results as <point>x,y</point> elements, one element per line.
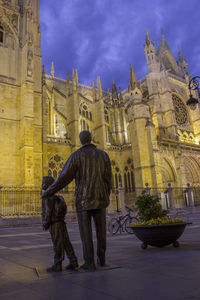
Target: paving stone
<point>151,274</point>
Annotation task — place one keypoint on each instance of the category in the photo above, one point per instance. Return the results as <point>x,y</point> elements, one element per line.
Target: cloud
<point>102,37</point>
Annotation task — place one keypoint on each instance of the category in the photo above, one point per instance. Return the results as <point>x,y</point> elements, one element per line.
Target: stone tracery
<point>181,113</point>
<point>55,166</point>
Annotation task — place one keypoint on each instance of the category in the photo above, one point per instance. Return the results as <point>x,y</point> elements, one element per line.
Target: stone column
<point>121,197</point>
<point>169,192</point>
<point>189,193</point>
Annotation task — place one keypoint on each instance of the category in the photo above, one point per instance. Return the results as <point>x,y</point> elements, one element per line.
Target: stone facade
<point>20,93</point>
<point>147,130</point>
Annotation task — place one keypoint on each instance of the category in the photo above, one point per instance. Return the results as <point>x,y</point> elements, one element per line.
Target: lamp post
<point>194,84</point>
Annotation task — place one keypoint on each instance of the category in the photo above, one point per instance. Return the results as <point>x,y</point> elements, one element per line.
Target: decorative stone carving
<point>10,18</point>
<point>30,39</point>
<point>15,21</point>
<point>55,166</point>
<point>30,54</point>
<point>181,113</point>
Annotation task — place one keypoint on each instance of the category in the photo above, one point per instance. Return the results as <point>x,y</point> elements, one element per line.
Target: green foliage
<point>149,208</point>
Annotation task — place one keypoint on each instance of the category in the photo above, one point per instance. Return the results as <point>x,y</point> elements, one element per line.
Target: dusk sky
<point>102,37</point>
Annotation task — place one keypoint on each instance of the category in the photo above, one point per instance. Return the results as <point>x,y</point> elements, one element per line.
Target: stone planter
<point>159,235</point>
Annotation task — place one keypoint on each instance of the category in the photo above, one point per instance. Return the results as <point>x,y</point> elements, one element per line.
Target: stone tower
<point>142,135</point>
<point>20,93</point>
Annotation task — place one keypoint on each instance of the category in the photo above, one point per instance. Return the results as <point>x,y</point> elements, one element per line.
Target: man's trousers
<point>85,227</point>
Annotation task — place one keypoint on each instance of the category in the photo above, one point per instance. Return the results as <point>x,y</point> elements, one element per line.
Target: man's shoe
<point>55,268</point>
<point>72,266</point>
<point>101,262</point>
<point>87,267</point>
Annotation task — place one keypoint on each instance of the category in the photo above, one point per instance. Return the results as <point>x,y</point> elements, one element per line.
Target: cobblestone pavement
<point>151,274</point>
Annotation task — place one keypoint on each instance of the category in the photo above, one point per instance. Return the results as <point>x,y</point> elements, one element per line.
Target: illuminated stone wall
<point>20,94</point>
<point>148,130</point>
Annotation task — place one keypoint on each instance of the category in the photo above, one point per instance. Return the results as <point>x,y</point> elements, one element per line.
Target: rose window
<point>180,110</point>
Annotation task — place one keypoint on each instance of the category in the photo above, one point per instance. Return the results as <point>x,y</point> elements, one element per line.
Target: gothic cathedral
<point>149,132</point>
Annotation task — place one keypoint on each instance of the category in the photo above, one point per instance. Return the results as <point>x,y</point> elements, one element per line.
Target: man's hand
<point>45,226</point>
<point>44,194</point>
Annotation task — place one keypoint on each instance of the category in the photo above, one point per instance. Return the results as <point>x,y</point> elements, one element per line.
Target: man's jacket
<point>91,169</point>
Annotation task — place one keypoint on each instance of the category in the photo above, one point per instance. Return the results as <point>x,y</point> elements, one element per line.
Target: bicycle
<point>122,223</point>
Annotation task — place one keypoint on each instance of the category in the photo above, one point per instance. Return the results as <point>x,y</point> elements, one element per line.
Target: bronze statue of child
<point>54,209</point>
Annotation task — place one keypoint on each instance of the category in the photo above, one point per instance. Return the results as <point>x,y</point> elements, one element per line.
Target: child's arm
<point>48,212</point>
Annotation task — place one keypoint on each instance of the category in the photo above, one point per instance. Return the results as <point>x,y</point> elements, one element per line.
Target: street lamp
<point>194,84</point>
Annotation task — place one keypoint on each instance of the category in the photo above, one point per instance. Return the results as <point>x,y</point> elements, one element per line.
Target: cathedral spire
<point>163,46</point>
<point>43,75</point>
<point>68,78</point>
<point>114,91</point>
<point>150,53</point>
<point>77,77</point>
<point>180,56</point>
<point>52,69</point>
<point>74,86</point>
<point>182,63</point>
<point>68,83</point>
<point>120,95</point>
<point>132,79</point>
<point>166,57</point>
<point>99,88</point>
<point>93,91</point>
<point>148,40</point>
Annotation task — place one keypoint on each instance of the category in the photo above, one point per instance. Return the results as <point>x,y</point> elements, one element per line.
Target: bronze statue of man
<point>91,169</point>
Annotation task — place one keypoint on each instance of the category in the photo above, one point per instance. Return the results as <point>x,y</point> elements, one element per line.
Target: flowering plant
<point>158,221</point>
<point>150,212</point>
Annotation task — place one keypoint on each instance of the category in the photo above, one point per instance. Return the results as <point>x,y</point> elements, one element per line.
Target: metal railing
<point>177,197</point>
<point>19,202</point>
<point>26,202</point>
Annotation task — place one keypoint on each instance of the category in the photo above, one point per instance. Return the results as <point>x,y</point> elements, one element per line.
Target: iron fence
<point>19,202</point>
<point>24,202</point>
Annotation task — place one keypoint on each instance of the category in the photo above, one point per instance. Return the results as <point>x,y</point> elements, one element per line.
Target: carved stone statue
<point>91,169</point>
<point>53,215</point>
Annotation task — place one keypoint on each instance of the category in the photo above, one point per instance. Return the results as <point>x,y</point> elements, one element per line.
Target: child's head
<point>46,182</point>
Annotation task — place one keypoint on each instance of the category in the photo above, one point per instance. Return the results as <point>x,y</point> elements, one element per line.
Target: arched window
<point>129,182</point>
<point>1,34</point>
<point>59,127</point>
<point>133,181</point>
<point>107,134</point>
<point>55,166</point>
<point>117,177</point>
<point>106,117</point>
<point>84,125</point>
<point>129,179</point>
<point>84,111</point>
<point>116,180</point>
<point>120,178</point>
<point>125,183</point>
